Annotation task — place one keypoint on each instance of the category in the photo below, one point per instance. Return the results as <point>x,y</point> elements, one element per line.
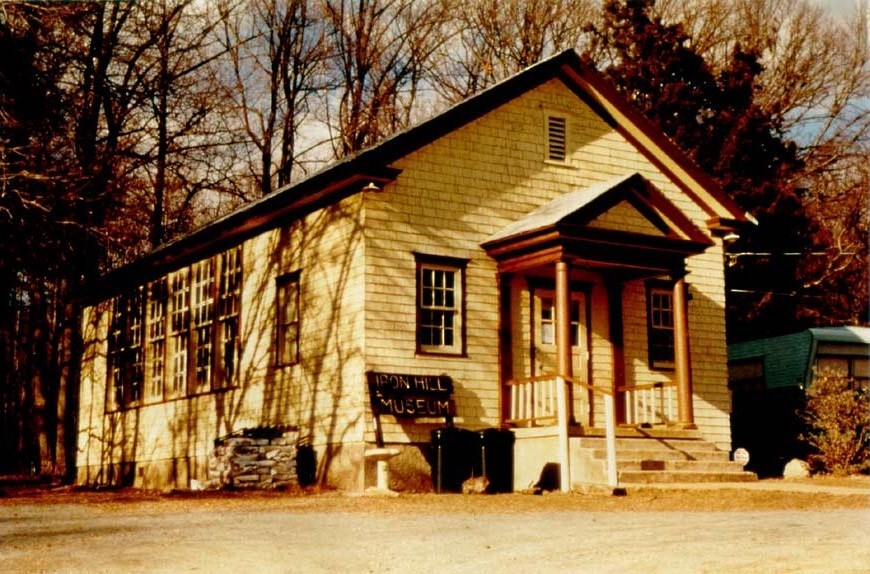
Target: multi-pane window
<point>229,293</point>
<point>856,369</point>
<point>287,314</point>
<point>548,321</point>
<point>126,353</point>
<point>156,340</point>
<point>179,330</point>
<point>202,307</point>
<point>439,305</point>
<point>179,334</point>
<point>660,325</point>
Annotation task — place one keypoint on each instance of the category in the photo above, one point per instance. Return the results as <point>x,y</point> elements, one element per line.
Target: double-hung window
<point>660,324</point>
<point>179,331</point>
<point>440,305</point>
<point>287,314</point>
<point>229,294</point>
<point>156,341</point>
<point>126,353</point>
<point>202,308</point>
<point>177,335</point>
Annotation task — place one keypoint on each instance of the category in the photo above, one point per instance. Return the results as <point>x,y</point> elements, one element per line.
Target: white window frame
<point>435,266</point>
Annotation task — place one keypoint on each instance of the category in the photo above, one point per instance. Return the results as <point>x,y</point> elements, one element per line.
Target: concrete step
<point>657,454</point>
<point>681,465</point>
<point>655,432</point>
<point>683,445</point>
<point>682,476</point>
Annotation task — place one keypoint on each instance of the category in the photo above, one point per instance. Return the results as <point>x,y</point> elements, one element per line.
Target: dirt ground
<point>819,493</point>
<point>819,525</point>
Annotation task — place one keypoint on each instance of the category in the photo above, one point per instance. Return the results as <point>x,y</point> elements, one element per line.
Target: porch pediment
<point>625,222</point>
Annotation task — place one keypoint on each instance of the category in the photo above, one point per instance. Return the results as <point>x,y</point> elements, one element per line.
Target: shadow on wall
<point>168,441</point>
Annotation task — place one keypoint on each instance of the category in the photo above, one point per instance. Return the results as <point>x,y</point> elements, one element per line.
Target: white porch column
<point>682,362</point>
<point>564,367</point>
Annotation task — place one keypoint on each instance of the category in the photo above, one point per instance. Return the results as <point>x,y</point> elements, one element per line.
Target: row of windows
<point>177,335</point>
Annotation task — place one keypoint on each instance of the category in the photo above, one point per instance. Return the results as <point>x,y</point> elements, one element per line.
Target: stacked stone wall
<point>254,462</point>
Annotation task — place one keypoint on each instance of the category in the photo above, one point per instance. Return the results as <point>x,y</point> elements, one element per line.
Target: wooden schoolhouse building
<point>539,257</point>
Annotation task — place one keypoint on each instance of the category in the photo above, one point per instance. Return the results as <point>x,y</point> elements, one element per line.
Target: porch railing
<point>533,401</point>
<point>654,403</point>
<point>543,400</point>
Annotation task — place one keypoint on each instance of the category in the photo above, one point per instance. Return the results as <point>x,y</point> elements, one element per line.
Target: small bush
<point>837,416</point>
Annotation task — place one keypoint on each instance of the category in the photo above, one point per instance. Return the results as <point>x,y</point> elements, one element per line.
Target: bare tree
<point>497,38</point>
<point>171,46</point>
<point>379,53</point>
<point>276,54</point>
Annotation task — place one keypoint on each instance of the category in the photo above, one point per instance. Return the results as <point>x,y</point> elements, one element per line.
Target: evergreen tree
<point>714,118</point>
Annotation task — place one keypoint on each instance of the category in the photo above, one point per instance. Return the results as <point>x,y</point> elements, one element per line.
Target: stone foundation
<point>255,460</point>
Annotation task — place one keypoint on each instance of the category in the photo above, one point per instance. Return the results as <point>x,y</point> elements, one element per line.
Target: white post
<point>564,449</point>
<point>610,437</point>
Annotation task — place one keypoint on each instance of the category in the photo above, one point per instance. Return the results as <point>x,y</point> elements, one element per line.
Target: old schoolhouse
<point>538,257</point>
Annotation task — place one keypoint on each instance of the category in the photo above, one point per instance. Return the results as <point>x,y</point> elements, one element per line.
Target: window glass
<point>660,326</point>
<point>203,317</point>
<point>287,313</point>
<point>832,366</point>
<point>229,294</point>
<point>156,343</point>
<point>548,321</point>
<point>179,330</point>
<point>440,319</point>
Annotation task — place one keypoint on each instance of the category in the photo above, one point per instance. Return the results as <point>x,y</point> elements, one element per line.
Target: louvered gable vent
<point>556,134</point>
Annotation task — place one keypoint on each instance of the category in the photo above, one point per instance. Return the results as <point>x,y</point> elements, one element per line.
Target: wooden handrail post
<point>610,438</point>
<point>564,445</point>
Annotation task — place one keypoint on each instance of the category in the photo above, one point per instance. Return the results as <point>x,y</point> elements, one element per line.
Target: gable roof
<point>560,231</point>
<point>788,359</point>
<point>846,334</point>
<point>349,175</point>
<point>585,205</point>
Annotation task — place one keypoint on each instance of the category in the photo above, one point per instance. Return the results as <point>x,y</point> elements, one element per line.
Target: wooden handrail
<point>547,377</point>
<point>646,386</point>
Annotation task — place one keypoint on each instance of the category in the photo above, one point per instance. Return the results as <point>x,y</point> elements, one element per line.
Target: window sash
<point>176,335</point>
<point>547,335</point>
<point>202,306</point>
<point>660,326</point>
<point>126,349</point>
<point>287,315</point>
<point>440,285</point>
<point>229,296</point>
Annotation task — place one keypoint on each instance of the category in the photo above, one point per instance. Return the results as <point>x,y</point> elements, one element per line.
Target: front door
<point>543,348</point>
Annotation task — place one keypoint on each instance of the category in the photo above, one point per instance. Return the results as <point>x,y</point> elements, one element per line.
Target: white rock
<point>796,468</point>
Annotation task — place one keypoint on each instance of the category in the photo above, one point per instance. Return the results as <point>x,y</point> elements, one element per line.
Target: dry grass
<point>772,495</point>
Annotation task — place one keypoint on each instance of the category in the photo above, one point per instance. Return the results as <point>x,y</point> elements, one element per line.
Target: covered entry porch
<point>563,273</point>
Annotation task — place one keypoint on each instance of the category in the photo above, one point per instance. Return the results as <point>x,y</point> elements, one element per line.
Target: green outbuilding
<point>768,378</point>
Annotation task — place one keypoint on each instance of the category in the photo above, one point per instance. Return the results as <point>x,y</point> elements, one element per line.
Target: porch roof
<point>624,223</point>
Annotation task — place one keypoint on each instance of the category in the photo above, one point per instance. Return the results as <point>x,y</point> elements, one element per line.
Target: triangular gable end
<point>625,221</point>
<point>627,218</point>
<point>628,204</point>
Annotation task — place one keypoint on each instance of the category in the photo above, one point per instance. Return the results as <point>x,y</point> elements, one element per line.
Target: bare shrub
<point>837,415</point>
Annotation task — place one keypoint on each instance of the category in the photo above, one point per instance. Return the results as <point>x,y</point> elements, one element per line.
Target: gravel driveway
<point>444,535</point>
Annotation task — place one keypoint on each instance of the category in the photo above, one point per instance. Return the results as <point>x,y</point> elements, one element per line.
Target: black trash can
<point>497,458</point>
<point>455,457</point>
<point>306,465</point>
